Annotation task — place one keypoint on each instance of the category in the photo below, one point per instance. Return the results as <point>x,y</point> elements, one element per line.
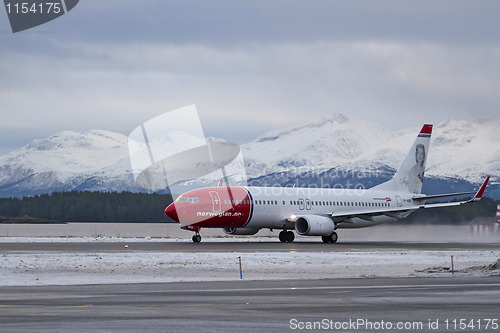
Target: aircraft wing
<point>399,212</point>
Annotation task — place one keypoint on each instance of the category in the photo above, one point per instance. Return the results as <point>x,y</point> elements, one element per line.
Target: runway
<point>397,304</point>
<point>99,286</point>
<point>239,246</point>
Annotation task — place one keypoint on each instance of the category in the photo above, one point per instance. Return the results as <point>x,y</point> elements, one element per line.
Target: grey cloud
<point>255,65</point>
<point>229,22</point>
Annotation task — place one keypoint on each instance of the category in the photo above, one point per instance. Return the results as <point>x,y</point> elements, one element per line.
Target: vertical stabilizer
<point>410,175</point>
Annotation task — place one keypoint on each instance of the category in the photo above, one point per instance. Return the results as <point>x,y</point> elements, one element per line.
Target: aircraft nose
<point>171,212</point>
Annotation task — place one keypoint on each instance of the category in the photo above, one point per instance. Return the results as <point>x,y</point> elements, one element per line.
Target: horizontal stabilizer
<point>438,196</point>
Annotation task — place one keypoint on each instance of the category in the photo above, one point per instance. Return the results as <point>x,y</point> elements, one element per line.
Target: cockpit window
<point>188,199</point>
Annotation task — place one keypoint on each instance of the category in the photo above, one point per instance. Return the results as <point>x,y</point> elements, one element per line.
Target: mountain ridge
<point>97,160</point>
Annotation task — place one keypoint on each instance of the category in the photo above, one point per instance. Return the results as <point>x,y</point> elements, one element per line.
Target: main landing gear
<point>330,238</point>
<point>286,236</point>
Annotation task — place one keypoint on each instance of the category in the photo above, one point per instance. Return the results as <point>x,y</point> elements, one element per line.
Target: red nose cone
<point>171,212</point>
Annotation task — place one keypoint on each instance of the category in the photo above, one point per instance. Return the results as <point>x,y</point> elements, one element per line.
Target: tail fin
<point>410,175</point>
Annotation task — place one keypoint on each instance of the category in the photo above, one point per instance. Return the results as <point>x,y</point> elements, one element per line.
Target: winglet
<point>480,192</point>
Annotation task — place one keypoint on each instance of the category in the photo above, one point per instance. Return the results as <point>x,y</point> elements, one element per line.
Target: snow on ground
<point>129,266</point>
<point>132,266</point>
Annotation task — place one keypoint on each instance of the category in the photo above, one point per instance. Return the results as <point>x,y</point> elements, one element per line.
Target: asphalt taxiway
<point>355,305</point>
<point>238,246</point>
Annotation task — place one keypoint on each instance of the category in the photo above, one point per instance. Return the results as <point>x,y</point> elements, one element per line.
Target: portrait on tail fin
<point>415,177</point>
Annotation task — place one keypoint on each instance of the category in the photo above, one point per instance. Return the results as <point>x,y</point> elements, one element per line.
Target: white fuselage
<point>274,207</point>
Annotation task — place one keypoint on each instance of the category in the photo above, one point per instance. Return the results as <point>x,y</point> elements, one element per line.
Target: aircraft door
<point>301,204</point>
<point>399,201</point>
<point>216,204</point>
<point>308,204</point>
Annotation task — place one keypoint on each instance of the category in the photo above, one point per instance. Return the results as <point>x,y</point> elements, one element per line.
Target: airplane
<point>242,210</point>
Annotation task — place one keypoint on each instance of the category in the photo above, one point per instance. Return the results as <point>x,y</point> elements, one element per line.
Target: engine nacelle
<point>314,225</point>
<point>241,231</point>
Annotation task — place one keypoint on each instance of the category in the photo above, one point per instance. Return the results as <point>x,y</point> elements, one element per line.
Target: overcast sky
<point>249,66</point>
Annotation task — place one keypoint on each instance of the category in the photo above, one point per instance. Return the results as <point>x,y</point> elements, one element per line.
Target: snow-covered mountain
<point>322,144</point>
<point>462,152</point>
<point>462,149</point>
<point>88,160</point>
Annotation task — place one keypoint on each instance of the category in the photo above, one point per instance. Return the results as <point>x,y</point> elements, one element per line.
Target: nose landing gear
<point>196,237</point>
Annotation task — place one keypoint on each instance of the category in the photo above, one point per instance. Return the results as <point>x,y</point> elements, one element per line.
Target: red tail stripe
<point>426,129</point>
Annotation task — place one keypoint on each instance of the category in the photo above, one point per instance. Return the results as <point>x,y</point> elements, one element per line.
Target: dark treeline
<point>89,207</point>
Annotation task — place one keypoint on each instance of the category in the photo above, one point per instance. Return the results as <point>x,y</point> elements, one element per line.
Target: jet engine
<point>241,231</point>
<point>314,225</point>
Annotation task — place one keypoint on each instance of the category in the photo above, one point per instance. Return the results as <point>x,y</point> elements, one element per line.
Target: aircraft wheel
<point>283,236</point>
<point>290,236</point>
<point>330,239</point>
<point>196,238</point>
